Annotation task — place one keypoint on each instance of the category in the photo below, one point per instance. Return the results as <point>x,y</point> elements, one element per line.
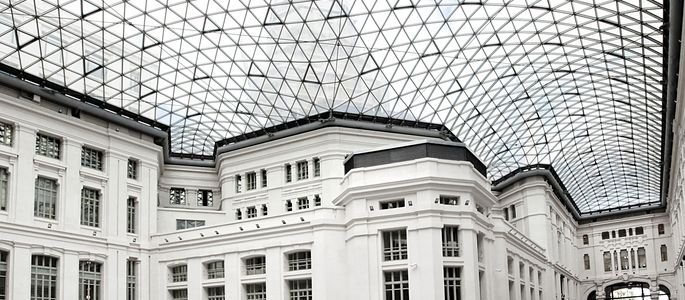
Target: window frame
<point>450,241</point>
<point>255,290</point>
<point>6,133</point>
<point>52,147</point>
<point>131,279</point>
<point>300,289</point>
<point>90,276</point>
<point>302,168</point>
<point>254,265</point>
<point>177,196</point>
<point>394,244</point>
<point>91,207</point>
<point>251,181</point>
<point>205,198</point>
<point>132,215</point>
<point>4,188</point>
<point>452,282</point>
<point>393,285</point>
<point>299,260</point>
<point>132,169</point>
<point>317,166</point>
<point>178,273</point>
<point>392,204</point>
<point>92,158</point>
<point>215,269</point>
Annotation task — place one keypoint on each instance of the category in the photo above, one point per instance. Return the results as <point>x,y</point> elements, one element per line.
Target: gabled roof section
<point>575,84</point>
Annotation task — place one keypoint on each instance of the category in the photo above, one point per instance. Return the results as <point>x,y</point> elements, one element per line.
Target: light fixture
<point>302,219</point>
<point>180,238</point>
<point>283,221</point>
<point>257,225</point>
<point>241,228</point>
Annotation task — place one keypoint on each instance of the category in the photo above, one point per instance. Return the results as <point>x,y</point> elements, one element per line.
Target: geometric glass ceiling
<point>574,84</point>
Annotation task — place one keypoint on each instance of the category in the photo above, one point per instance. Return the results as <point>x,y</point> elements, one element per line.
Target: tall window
<point>131,278</point>
<point>43,277</point>
<point>255,265</point>
<point>179,273</point>
<point>216,293</point>
<point>238,214</point>
<point>288,173</point>
<point>317,200</point>
<point>607,261</point>
<point>317,167</point>
<point>660,228</point>
<point>586,261</point>
<point>586,240</point>
<point>131,215</point>
<point>255,291</point>
<point>396,285</point>
<point>302,203</point>
<point>624,259</point>
<point>45,201</point>
<point>90,280</point>
<point>300,289</point>
<point>48,146</point>
<point>641,258</point>
<point>4,179</point>
<point>3,275</point>
<point>300,261</point>
<point>215,269</point>
<point>180,294</point>
<point>6,131</point>
<point>263,175</point>
<point>664,253</point>
<point>132,169</point>
<point>90,207</point>
<point>238,184</point>
<point>452,277</point>
<point>302,170</point>
<point>91,158</point>
<point>288,205</point>
<point>205,198</point>
<point>395,245</point>
<point>251,181</point>
<point>177,196</point>
<point>265,210</point>
<point>450,241</point>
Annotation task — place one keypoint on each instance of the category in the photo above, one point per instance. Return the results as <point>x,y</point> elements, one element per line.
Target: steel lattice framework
<point>575,84</point>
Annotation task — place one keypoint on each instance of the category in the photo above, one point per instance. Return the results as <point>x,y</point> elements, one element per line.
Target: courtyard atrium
<point>342,149</point>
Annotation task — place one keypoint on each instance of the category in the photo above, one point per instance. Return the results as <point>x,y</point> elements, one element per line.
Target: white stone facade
<point>538,254</point>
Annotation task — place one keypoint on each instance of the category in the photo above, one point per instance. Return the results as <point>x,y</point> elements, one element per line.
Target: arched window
<point>634,291</point>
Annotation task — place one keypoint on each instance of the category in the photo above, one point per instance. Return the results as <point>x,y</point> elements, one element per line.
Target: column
<point>24,179</point>
<point>195,277</point>
<point>69,201</point>
<point>425,263</point>
<point>19,274</point>
<point>232,272</point>
<point>274,279</point>
<point>68,269</point>
<point>469,286</point>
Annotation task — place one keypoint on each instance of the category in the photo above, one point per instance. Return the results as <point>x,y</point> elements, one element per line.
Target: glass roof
<point>575,84</point>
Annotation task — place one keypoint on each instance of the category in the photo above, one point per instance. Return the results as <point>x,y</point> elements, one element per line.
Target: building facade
<point>337,210</point>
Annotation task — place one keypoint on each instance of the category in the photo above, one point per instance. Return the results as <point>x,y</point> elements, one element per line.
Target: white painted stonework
<point>538,255</point>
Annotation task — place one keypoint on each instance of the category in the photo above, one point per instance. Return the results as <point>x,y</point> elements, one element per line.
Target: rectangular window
<point>586,261</point>
<point>288,173</point>
<point>661,230</point>
<point>639,230</point>
<point>132,169</point>
<point>641,258</point>
<point>131,215</point>
<point>449,200</point>
<point>300,261</point>
<point>395,245</point>
<point>131,279</point>
<point>396,285</point>
<point>255,265</point>
<point>177,196</point>
<point>392,204</point>
<point>238,214</point>
<point>624,259</point>
<point>6,132</point>
<point>216,293</point>
<point>215,270</point>
<point>452,277</point>
<point>607,261</point>
<point>91,158</point>
<point>263,174</point>
<point>302,203</point>
<point>205,198</point>
<point>300,289</point>
<point>48,146</point>
<point>187,224</point>
<point>4,188</point>
<point>288,205</point>
<point>317,200</point>
<point>90,207</point>
<point>180,294</point>
<point>621,233</point>
<point>45,202</point>
<point>664,253</point>
<point>251,212</point>
<point>251,181</point>
<point>90,280</point>
<point>265,210</point>
<point>255,291</point>
<point>512,210</point>
<point>302,170</point>
<point>3,275</point>
<point>450,241</point>
<point>179,273</point>
<point>506,213</point>
<point>238,184</point>
<point>605,235</point>
<point>317,167</point>
<point>43,277</point>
